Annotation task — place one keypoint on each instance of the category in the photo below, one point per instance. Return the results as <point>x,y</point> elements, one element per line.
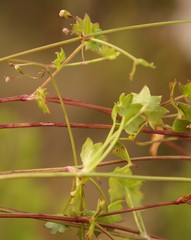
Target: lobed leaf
<point>131,112</point>
<point>120,188</point>
<point>56,227</point>
<point>61,56</point>
<point>90,154</point>
<point>186,90</point>
<point>152,109</point>
<point>114,206</point>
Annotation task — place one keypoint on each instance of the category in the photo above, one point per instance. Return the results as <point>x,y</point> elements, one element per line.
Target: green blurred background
<point>28,24</point>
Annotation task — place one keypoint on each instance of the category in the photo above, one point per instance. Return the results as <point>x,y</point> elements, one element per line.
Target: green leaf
<point>40,97</point>
<point>131,112</point>
<point>90,154</point>
<point>85,26</point>
<point>151,104</point>
<point>60,57</point>
<point>144,63</point>
<point>181,125</point>
<point>186,110</point>
<point>183,122</point>
<point>56,227</point>
<point>114,206</point>
<point>120,188</point>
<point>122,106</point>
<point>121,152</point>
<point>109,53</point>
<point>186,90</point>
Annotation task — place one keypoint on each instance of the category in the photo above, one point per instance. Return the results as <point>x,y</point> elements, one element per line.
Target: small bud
<point>18,69</point>
<point>7,79</point>
<point>65,14</point>
<point>65,31</point>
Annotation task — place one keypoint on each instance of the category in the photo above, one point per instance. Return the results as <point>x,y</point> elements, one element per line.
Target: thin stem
<point>128,210</point>
<point>39,49</point>
<point>71,221</point>
<point>68,59</point>
<point>104,231</point>
<point>55,124</point>
<point>99,190</point>
<point>60,174</point>
<point>57,44</point>
<point>153,141</point>
<point>138,218</point>
<point>140,26</point>
<point>73,145</point>
<point>116,48</point>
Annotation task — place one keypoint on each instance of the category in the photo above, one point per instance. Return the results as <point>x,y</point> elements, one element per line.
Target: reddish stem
<point>19,214</point>
<point>55,124</point>
<point>155,205</point>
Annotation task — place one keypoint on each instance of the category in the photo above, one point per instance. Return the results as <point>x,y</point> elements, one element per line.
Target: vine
<point>133,114</point>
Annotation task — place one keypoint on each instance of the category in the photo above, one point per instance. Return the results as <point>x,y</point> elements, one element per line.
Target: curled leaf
<point>61,56</point>
<point>40,97</point>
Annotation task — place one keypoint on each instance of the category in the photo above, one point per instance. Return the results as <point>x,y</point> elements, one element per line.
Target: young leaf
<point>109,53</point>
<point>85,26</point>
<point>40,97</point>
<point>186,111</point>
<point>56,227</point>
<point>131,112</point>
<point>186,90</point>
<point>182,122</point>
<point>90,155</point>
<point>152,108</point>
<point>61,56</point>
<point>120,188</point>
<point>181,125</point>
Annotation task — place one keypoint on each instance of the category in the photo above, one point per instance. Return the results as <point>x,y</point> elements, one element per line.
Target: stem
<point>61,174</point>
<point>116,48</point>
<point>114,30</point>
<point>71,221</point>
<point>104,231</point>
<point>55,124</point>
<point>73,145</point>
<point>128,210</point>
<point>99,190</point>
<point>39,49</point>
<point>138,218</point>
<point>68,59</point>
<point>140,26</point>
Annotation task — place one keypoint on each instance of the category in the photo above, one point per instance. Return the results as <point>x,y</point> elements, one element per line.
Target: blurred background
<point>29,24</point>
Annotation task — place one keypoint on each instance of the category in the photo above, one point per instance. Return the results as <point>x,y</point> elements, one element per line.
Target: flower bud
<point>65,14</point>
<point>65,31</point>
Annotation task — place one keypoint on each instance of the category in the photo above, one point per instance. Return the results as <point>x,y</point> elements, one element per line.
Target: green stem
<point>100,191</point>
<point>104,231</point>
<point>24,174</point>
<point>39,49</point>
<point>73,145</point>
<point>57,44</point>
<point>138,219</point>
<point>68,59</point>
<point>134,59</point>
<point>140,26</point>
